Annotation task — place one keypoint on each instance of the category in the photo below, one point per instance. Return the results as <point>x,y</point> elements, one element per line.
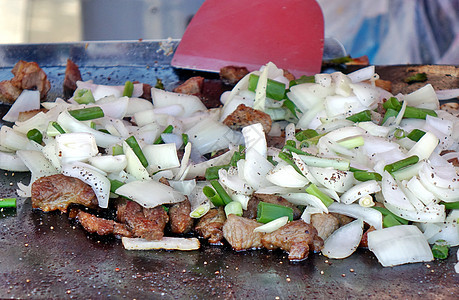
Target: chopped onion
<point>234,182</point>
<point>11,162</point>
<point>150,193</point>
<point>75,146</point>
<point>190,103</point>
<point>134,166</point>
<point>37,163</point>
<point>161,157</point>
<point>344,241</point>
<point>424,97</point>
<point>432,213</point>
<point>285,175</point>
<point>11,139</point>
<point>360,190</point>
<point>399,245</point>
<point>136,105</point>
<point>27,100</point>
<point>272,226</point>
<point>306,200</point>
<point>113,107</point>
<point>109,163</point>
<point>369,215</point>
<point>166,243</point>
<point>393,194</point>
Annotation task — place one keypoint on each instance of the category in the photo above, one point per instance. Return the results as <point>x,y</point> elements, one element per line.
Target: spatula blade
<point>250,33</point>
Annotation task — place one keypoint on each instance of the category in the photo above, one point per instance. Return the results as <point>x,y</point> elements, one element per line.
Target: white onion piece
<point>70,124</point>
<point>308,212</point>
<point>39,121</point>
<point>255,169</point>
<point>445,194</point>
<point>161,157</point>
<point>190,103</point>
<point>272,226</point>
<point>199,169</point>
<point>310,119</point>
<point>11,139</point>
<point>448,232</point>
<point>341,83</point>
<point>150,193</point>
<point>430,214</point>
<point>166,243</point>
<point>374,129</point>
<point>255,139</point>
<point>260,90</point>
<point>185,187</point>
<point>184,164</point>
<point>424,97</point>
<point>360,190</point>
<point>305,199</point>
<point>27,100</point>
<point>306,95</point>
<point>113,107</point>
<point>109,163</point>
<point>172,138</point>
<point>399,245</point>
<point>98,182</point>
<point>323,79</point>
<point>134,166</point>
<point>75,146</point>
<point>37,163</point>
<point>371,216</point>
<point>243,199</point>
<point>447,94</point>
<point>234,182</point>
<point>339,181</point>
<point>285,175</point>
<point>367,94</point>
<point>338,105</point>
<point>441,176</point>
<point>136,105</point>
<point>393,194</point>
<point>344,241</point>
<point>362,74</point>
<point>11,162</point>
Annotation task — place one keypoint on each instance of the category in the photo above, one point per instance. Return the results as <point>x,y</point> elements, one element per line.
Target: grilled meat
<point>238,231</point>
<point>8,92</point>
<point>57,192</point>
<point>325,224</point>
<point>211,224</point>
<point>72,75</point>
<point>245,115</point>
<point>179,215</point>
<point>101,226</point>
<point>192,86</point>
<point>147,223</point>
<point>232,74</point>
<point>29,76</point>
<point>297,238</point>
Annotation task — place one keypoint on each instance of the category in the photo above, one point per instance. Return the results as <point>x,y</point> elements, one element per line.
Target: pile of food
<point>325,163</point>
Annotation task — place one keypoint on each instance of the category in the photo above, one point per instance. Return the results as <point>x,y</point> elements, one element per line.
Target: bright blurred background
<point>387,31</point>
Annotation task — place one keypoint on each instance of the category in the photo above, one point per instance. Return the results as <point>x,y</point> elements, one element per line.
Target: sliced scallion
<point>159,140</point>
<point>274,90</point>
<point>312,189</point>
<point>362,116</point>
<point>440,249</point>
<point>267,212</point>
<point>234,207</point>
<point>35,135</point>
<point>132,142</point>
<point>7,202</point>
<point>83,96</point>
<point>213,196</point>
<point>221,192</point>
<point>128,89</point>
<point>87,113</point>
<point>401,164</point>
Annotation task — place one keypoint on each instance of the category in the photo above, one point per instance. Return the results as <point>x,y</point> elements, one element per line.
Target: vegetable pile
<point>350,148</point>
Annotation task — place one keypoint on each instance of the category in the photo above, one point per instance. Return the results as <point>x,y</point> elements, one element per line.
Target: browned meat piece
<point>146,91</point>
<point>211,224</point>
<point>29,76</point>
<point>180,219</point>
<point>325,224</point>
<point>238,231</point>
<point>57,192</point>
<point>192,86</point>
<point>101,226</point>
<point>232,74</point>
<point>244,115</point>
<point>364,240</point>
<point>25,115</point>
<point>289,75</point>
<point>8,92</point>
<point>297,238</point>
<point>147,223</point>
<point>251,211</point>
<point>72,75</point>
<point>275,141</point>
<point>343,220</point>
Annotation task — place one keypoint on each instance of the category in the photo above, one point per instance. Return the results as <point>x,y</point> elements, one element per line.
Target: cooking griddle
<point>46,255</point>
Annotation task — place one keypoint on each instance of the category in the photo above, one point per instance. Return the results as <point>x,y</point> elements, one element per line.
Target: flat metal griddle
<point>46,255</point>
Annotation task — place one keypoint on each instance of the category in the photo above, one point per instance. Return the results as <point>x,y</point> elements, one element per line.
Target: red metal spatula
<point>250,33</point>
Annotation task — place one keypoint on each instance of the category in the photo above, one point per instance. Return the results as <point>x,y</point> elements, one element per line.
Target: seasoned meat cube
<point>325,224</point>
<point>147,223</point>
<point>232,74</point>
<point>251,211</point>
<point>29,76</point>
<point>101,226</point>
<point>238,231</point>
<point>297,238</point>
<point>146,91</point>
<point>192,86</point>
<point>180,219</point>
<point>364,240</point>
<point>275,141</point>
<point>59,191</point>
<point>245,115</point>
<point>211,224</point>
<point>8,92</point>
<point>343,220</point>
<point>72,75</point>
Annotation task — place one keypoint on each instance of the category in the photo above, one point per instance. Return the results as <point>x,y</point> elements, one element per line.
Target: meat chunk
<point>57,192</point>
<point>343,220</point>
<point>8,92</point>
<point>101,226</point>
<point>179,215</point>
<point>325,224</point>
<point>72,75</point>
<point>192,86</point>
<point>245,115</point>
<point>29,76</point>
<point>364,240</point>
<point>238,231</point>
<point>147,223</point>
<point>232,74</point>
<point>211,224</point>
<point>297,238</point>
<point>251,211</point>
